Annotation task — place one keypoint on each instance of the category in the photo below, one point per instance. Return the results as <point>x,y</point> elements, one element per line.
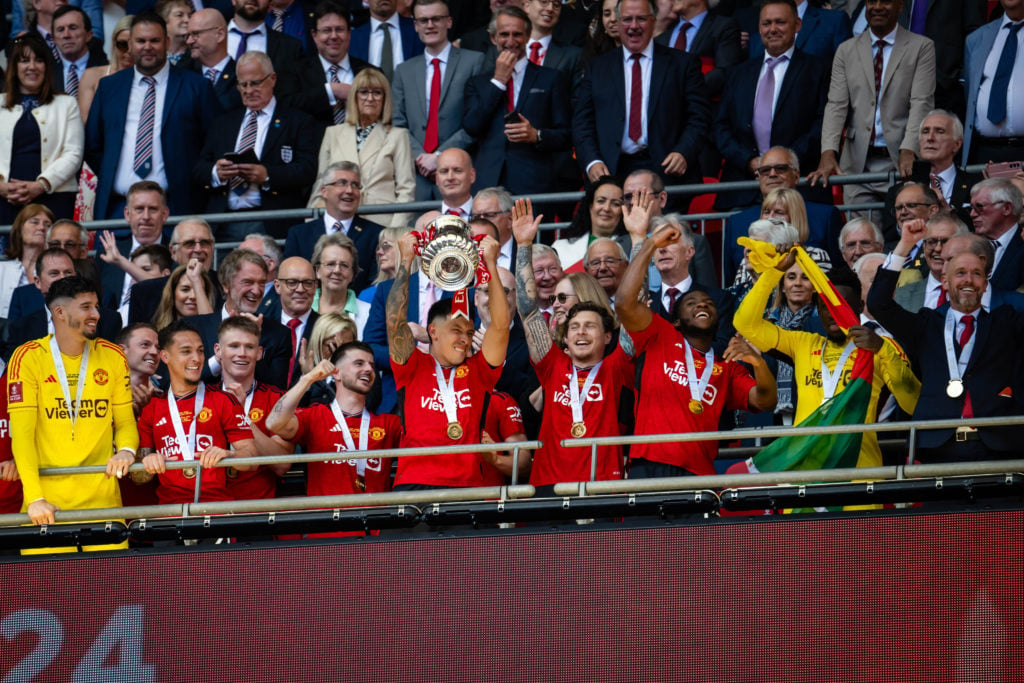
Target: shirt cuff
<point>894,262</point>
<point>499,85</point>
<point>331,99</point>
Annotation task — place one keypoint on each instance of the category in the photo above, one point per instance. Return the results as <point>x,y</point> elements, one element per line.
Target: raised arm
<point>633,314</point>
<point>495,343</point>
<point>282,420</point>
<point>400,340</point>
<point>524,228</point>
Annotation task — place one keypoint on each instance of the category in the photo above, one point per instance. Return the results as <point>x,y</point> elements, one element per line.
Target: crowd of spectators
<point>314,335</point>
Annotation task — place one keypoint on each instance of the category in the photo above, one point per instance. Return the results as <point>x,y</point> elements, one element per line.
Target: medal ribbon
<point>186,444</point>
<point>965,353</point>
<point>830,379</point>
<point>364,433</point>
<point>698,387</point>
<point>447,390</point>
<point>575,402</point>
<point>62,376</point>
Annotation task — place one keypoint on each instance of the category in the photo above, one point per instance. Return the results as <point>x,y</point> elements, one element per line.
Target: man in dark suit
<point>128,102</point>
<point>822,31</point>
<point>295,285</point>
<point>712,38</point>
<point>331,69</point>
<point>614,132</point>
<point>293,18</point>
<point>243,275</point>
<point>776,99</point>
<point>247,31</point>
<point>341,191</point>
<point>996,212</point>
<point>281,142</point>
<point>435,124</point>
<point>72,33</point>
<point>967,358</point>
<point>146,213</point>
<point>208,55</point>
<point>386,29</point>
<point>543,48</point>
<point>54,264</point>
<point>520,114</point>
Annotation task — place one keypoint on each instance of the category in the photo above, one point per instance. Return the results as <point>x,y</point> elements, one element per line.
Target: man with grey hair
<point>341,188</point>
<point>69,235</point>
<point>606,262</point>
<point>495,205</point>
<point>267,247</point>
<point>273,163</point>
<point>927,291</point>
<point>858,237</point>
<point>547,271</point>
<point>995,213</point>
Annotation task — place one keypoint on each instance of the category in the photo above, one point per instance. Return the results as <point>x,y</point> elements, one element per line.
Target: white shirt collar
<point>344,64</point>
<point>788,54</point>
<point>647,52</point>
<point>889,39</point>
<point>160,76</point>
<point>392,21</point>
<point>442,55</point>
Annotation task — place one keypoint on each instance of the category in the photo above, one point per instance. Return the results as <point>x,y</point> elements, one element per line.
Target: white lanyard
<point>364,433</point>
<point>62,376</point>
<point>965,352</point>
<point>186,444</point>
<point>830,379</point>
<point>698,385</point>
<point>575,401</point>
<point>248,399</point>
<point>447,390</point>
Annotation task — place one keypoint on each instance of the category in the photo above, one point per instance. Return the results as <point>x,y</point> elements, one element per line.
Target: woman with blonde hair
<point>120,58</point>
<point>383,151</point>
<point>182,295</point>
<point>788,205</point>
<point>387,260</point>
<point>28,241</point>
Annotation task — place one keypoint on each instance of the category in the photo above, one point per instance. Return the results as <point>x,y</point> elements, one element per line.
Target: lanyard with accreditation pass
<point>62,376</point>
<point>187,444</point>
<point>447,391</point>
<point>697,385</point>
<point>579,427</point>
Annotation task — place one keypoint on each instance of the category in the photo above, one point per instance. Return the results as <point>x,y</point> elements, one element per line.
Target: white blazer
<point>61,135</point>
<point>10,277</point>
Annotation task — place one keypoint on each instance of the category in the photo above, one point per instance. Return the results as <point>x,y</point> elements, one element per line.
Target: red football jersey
<point>319,432</point>
<point>10,491</point>
<point>221,423</point>
<point>664,397</point>
<point>503,420</point>
<point>553,463</point>
<point>427,425</point>
<point>261,482</point>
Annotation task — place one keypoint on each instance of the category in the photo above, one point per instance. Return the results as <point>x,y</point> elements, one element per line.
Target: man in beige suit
<point>881,129</point>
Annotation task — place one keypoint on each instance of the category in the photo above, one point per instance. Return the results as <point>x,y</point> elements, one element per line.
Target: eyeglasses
<point>191,34</point>
<point>562,297</point>
<point>979,207</point>
<point>343,183</point>
<point>67,246</point>
<point>933,242</point>
<point>245,85</point>
<point>608,261</point>
<point>336,265</point>
<point>333,31</point>
<point>423,21</point>
<point>121,45</point>
<point>293,284</point>
<point>862,244</point>
<point>192,244</point>
<point>375,94</point>
<point>911,206</point>
<point>487,215</point>
<point>635,20</point>
<point>777,168</point>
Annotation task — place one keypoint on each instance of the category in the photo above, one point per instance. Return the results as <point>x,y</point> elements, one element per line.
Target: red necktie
<point>547,317</point>
<point>965,336</point>
<point>454,212</point>
<point>879,62</point>
<point>535,52</point>
<point>430,140</point>
<point>942,298</point>
<point>680,43</point>
<point>673,295</point>
<point>636,97</point>
<point>511,95</point>
<point>293,325</point>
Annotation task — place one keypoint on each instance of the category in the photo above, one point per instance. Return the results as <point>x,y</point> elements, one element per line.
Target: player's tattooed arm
<point>538,336</point>
<point>401,342</point>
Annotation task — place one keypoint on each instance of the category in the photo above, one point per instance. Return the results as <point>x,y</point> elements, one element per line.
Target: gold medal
<point>232,473</point>
<point>696,407</point>
<point>189,472</point>
<point>578,429</point>
<point>955,388</point>
<point>454,431</point>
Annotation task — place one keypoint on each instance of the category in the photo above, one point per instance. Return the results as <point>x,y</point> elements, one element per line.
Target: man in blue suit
<point>793,98</point>
<point>148,123</point>
<point>993,77</point>
<point>519,131</point>
<point>821,31</point>
<point>386,28</point>
<point>660,124</point>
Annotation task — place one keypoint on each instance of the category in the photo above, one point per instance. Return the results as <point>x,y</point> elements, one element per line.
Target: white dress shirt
<point>890,40</point>
<point>125,176</point>
<point>443,56</point>
<point>646,63</point>
<point>257,42</point>
<point>1014,123</point>
<point>251,198</point>
<point>377,41</point>
<point>345,75</point>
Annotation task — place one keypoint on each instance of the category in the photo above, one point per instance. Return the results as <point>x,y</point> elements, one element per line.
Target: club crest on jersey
<point>205,414</point>
<point>377,433</point>
<point>100,376</point>
<point>15,394</point>
<point>256,414</point>
<point>461,371</point>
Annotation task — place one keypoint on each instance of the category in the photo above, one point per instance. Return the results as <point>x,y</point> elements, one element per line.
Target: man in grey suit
<point>991,55</point>
<point>915,292</point>
<point>434,125</point>
<point>883,85</point>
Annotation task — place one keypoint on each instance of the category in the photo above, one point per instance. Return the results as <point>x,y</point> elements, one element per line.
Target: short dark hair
<point>239,322</point>
<point>491,228</point>
<point>439,309</point>
<point>424,3</point>
<point>147,186</point>
<point>126,333</point>
<point>166,335</point>
<point>68,288</point>
<point>582,306</point>
<point>340,352</point>
<point>157,253</point>
<point>51,251</point>
<point>22,46</point>
<point>149,17</point>
<point>68,9</point>
<point>326,7</point>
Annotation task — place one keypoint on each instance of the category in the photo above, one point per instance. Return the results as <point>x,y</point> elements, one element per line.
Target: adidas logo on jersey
<point>336,427</point>
<point>50,380</point>
<point>161,421</point>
